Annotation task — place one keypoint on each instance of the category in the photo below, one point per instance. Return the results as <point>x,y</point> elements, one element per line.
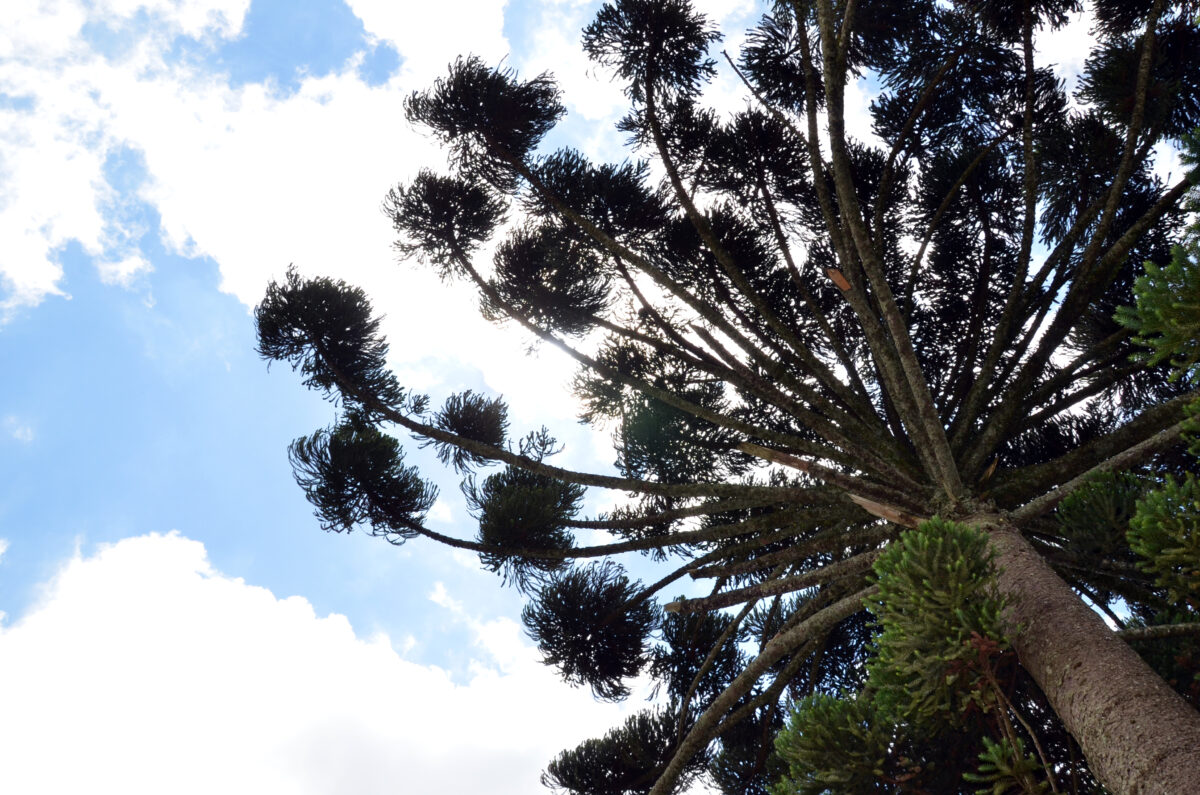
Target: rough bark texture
<point>1139,736</point>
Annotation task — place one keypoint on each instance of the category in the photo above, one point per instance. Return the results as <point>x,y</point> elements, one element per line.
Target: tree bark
<point>1138,734</point>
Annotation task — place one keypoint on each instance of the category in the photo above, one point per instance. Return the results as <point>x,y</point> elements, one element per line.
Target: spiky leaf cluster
<point>520,511</point>
<point>325,329</point>
<point>442,220</point>
<point>652,45</point>
<point>1094,520</point>
<point>354,475</point>
<point>1166,318</point>
<point>625,761</point>
<point>917,721</point>
<point>614,197</point>
<point>554,281</point>
<point>474,417</point>
<point>835,745</point>
<point>1165,532</point>
<point>1110,77</point>
<point>936,589</point>
<point>687,641</point>
<point>588,622</point>
<point>488,119</point>
<point>745,760</point>
<point>1006,767</point>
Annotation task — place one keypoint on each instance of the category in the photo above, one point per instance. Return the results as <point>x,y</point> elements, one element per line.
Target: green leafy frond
<point>835,745</point>
<point>936,593</point>
<point>1165,532</point>
<point>1005,769</point>
<point>1166,318</point>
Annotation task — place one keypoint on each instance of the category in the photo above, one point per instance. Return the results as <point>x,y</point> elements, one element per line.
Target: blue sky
<point>160,162</point>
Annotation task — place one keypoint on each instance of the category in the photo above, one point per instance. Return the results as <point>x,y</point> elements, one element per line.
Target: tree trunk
<point>1138,734</point>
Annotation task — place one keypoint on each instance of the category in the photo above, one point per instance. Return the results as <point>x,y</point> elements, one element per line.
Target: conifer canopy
<point>807,340</point>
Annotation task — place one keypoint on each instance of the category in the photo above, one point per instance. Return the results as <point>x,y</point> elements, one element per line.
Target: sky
<point>172,619</point>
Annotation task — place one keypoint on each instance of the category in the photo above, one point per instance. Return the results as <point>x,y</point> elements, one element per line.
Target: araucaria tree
<point>806,345</point>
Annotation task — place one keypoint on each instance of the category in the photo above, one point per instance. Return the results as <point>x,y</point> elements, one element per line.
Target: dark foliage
<point>470,416</point>
<point>488,119</point>
<point>652,45</point>
<point>355,475</point>
<point>554,281</point>
<point>520,511</point>
<point>626,761</point>
<point>745,761</point>
<point>1173,96</point>
<point>324,328</point>
<point>615,198</point>
<point>443,220</point>
<point>686,643</point>
<point>943,325</point>
<point>773,59</point>
<point>588,623</point>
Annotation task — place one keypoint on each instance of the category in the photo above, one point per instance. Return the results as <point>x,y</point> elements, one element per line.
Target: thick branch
<point>1023,484</point>
<point>946,471</point>
<point>847,482</point>
<point>832,541</point>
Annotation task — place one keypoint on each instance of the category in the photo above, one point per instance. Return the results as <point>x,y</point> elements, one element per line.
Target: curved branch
<point>702,730</point>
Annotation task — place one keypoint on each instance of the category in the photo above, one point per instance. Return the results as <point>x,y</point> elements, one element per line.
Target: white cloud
<point>193,18</point>
<point>18,429</point>
<point>441,511</point>
<point>52,155</point>
<point>442,598</point>
<point>40,29</point>
<point>159,674</point>
<point>3,549</point>
<point>431,35</point>
<point>555,48</point>
<point>1065,50</point>
<point>251,179</point>
<point>122,271</point>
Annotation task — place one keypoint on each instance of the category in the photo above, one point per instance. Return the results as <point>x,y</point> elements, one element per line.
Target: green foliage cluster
<point>936,592</point>
<point>837,744</point>
<point>932,679</point>
<point>1167,316</point>
<point>1003,763</point>
<point>1165,532</point>
<point>1094,521</point>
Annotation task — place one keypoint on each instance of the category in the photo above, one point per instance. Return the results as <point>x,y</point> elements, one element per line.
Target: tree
<point>805,345</point>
